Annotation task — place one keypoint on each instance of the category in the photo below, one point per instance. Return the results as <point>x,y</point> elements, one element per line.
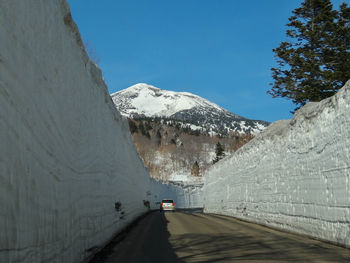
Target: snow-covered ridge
<point>149,101</point>
<point>294,175</point>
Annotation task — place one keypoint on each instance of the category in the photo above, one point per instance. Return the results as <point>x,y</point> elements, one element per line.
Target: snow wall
<point>70,176</point>
<point>185,195</point>
<point>189,195</point>
<point>294,176</point>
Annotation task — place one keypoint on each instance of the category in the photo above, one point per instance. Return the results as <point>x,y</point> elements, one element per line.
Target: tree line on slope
<point>167,148</point>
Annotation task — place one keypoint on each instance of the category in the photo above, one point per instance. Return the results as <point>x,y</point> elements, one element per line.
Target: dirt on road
<point>196,237</point>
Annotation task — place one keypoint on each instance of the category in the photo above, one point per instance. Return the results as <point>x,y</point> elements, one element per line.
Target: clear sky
<point>220,50</point>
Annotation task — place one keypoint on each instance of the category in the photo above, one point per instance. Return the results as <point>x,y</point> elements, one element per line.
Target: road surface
<point>195,237</point>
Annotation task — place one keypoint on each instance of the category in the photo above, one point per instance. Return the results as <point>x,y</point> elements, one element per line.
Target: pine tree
<point>309,66</point>
<point>132,126</point>
<point>219,152</point>
<point>338,60</point>
<point>142,129</point>
<point>195,169</point>
<point>159,137</point>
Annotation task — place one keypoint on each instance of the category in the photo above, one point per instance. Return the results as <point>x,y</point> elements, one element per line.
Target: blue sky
<point>218,49</point>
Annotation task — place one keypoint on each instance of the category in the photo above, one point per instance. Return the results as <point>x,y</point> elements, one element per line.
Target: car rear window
<point>167,201</point>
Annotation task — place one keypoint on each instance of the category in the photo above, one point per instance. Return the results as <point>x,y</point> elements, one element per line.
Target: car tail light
<point>173,204</point>
<point>161,204</point>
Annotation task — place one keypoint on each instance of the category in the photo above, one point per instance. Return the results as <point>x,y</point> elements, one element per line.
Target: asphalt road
<point>195,237</point>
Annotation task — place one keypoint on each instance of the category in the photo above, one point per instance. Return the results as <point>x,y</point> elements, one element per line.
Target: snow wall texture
<point>185,195</point>
<point>293,176</point>
<point>70,176</point>
<point>189,195</point>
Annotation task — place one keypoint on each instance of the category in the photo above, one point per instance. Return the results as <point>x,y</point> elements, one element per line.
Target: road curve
<point>195,237</point>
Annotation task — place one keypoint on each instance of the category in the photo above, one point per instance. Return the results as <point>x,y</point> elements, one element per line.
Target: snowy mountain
<point>197,112</point>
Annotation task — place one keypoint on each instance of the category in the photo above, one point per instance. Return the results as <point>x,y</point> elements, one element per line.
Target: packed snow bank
<point>185,195</point>
<point>293,176</point>
<point>70,176</point>
<point>189,194</point>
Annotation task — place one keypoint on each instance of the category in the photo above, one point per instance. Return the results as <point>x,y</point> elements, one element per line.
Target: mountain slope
<point>146,100</point>
<point>177,133</point>
<point>173,152</point>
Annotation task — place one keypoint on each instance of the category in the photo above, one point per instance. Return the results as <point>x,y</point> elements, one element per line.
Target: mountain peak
<point>150,101</point>
<point>140,86</point>
<point>147,100</point>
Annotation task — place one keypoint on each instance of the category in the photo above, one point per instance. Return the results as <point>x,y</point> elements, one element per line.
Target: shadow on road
<point>160,249</point>
<point>227,248</point>
<point>190,210</point>
<point>146,241</point>
<point>195,237</point>
<point>243,247</point>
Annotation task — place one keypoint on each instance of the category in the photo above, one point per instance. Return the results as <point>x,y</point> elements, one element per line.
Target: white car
<point>167,205</point>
